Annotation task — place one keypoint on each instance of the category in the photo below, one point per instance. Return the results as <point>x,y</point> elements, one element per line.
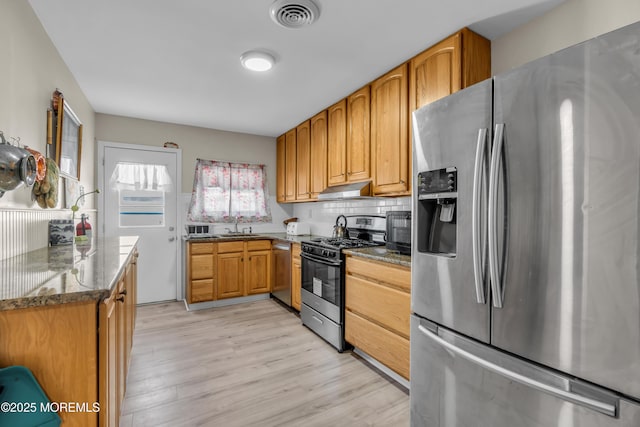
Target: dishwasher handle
<point>282,247</point>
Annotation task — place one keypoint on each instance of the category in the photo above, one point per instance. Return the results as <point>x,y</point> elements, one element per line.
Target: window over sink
<point>224,191</point>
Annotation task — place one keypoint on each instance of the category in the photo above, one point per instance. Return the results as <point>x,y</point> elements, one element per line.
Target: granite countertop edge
<point>255,236</point>
<point>56,299</point>
<point>378,253</point>
<point>101,286</point>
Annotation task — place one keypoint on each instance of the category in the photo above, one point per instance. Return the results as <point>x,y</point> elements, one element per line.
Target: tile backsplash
<point>321,216</point>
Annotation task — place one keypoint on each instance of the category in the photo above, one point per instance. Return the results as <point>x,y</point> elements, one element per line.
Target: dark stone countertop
<point>253,236</point>
<point>64,274</point>
<point>380,253</point>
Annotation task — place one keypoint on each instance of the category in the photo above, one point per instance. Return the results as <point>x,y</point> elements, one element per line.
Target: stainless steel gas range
<point>322,308</point>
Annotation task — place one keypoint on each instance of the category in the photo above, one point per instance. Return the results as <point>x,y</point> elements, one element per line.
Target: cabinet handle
<point>124,292</point>
<point>402,181</point>
<point>120,298</point>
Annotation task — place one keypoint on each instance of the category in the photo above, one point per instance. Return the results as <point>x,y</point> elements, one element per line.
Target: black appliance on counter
<point>323,275</point>
<point>399,231</point>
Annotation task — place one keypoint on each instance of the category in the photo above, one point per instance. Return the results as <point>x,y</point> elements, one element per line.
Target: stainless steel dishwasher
<point>282,267</point>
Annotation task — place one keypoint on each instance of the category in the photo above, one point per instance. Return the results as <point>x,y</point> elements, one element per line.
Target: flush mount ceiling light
<point>294,13</point>
<point>257,60</point>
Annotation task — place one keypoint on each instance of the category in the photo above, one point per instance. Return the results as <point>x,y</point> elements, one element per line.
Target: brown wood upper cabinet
<point>348,134</point>
<point>336,143</point>
<point>281,169</point>
<point>303,161</point>
<point>368,134</point>
<point>456,62</point>
<point>390,148</point>
<point>290,165</point>
<point>318,163</point>
<point>359,135</point>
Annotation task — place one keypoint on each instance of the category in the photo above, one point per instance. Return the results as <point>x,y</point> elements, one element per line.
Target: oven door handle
<point>320,260</point>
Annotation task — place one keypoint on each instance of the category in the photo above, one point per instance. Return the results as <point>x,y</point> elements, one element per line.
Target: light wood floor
<point>249,365</point>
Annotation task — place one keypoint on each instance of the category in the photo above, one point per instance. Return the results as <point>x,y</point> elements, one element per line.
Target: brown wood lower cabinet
<point>378,310</point>
<point>228,269</point>
<point>200,271</point>
<point>79,351</point>
<point>296,276</point>
<point>116,323</point>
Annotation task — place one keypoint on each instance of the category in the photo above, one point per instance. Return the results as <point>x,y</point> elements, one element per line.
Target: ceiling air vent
<point>294,13</point>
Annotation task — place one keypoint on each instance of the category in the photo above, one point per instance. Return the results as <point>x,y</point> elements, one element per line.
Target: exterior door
<point>443,283</point>
<point>150,211</point>
<point>572,163</point>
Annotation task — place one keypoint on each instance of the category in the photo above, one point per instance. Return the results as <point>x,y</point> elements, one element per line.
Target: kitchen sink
<point>237,234</point>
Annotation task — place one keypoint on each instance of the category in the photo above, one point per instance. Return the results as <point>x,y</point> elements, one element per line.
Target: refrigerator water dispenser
<point>437,199</point>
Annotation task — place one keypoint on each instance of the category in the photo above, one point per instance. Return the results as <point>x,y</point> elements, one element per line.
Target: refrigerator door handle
<point>478,246</point>
<point>553,384</point>
<point>492,214</point>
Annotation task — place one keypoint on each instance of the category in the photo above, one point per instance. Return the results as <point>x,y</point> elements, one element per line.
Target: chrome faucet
<point>235,224</point>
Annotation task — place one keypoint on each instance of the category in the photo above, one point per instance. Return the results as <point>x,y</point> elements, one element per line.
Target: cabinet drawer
<point>235,246</point>
<point>202,266</point>
<point>389,307</point>
<point>202,248</point>
<point>201,290</point>
<point>399,277</point>
<point>383,345</point>
<point>258,245</point>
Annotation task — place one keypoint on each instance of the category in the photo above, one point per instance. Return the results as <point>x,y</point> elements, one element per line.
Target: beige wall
<point>195,143</point>
<point>570,23</point>
<point>30,70</point>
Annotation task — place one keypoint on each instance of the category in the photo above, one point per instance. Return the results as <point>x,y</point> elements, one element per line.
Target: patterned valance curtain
<point>224,190</point>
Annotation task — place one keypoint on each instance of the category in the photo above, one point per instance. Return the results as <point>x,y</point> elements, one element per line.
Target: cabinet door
<point>128,308</point>
<point>359,135</point>
<point>230,275</point>
<point>134,286</point>
<point>108,364</point>
<point>318,163</point>
<point>258,272</point>
<point>303,158</point>
<point>296,279</point>
<point>337,143</point>
<point>290,162</point>
<point>436,72</point>
<point>281,171</point>
<point>121,322</point>
<point>390,146</point>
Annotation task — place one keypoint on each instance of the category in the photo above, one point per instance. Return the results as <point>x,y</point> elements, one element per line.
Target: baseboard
<point>225,302</point>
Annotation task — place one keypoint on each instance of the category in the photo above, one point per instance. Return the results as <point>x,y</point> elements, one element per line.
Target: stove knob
<point>325,252</point>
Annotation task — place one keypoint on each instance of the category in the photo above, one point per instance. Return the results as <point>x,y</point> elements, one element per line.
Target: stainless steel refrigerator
<point>526,248</point>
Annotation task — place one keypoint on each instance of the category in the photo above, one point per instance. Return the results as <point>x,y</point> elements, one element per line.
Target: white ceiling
<point>178,61</point>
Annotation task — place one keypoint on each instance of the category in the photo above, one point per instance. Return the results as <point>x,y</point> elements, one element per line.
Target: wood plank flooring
<point>249,365</point>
